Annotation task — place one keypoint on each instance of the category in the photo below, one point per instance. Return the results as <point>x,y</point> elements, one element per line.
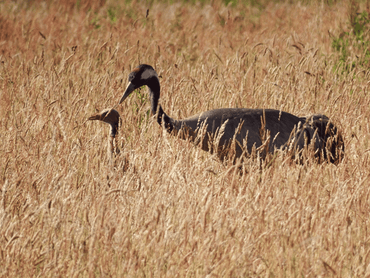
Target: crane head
<point>140,76</point>
<point>109,116</point>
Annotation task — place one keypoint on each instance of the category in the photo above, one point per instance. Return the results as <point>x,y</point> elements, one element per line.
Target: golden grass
<point>174,210</point>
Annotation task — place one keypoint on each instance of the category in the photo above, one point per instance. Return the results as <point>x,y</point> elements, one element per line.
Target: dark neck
<point>155,90</point>
<point>113,130</point>
<point>163,118</point>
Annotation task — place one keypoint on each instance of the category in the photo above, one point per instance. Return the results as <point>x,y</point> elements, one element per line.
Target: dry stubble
<point>173,209</point>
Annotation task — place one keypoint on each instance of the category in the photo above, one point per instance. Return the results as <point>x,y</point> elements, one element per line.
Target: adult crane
<point>233,132</point>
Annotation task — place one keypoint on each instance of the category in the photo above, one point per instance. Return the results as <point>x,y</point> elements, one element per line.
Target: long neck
<point>155,91</point>
<point>162,117</point>
<point>113,148</point>
<point>112,143</point>
<point>110,150</point>
<point>176,127</point>
<point>169,123</point>
<point>113,129</point>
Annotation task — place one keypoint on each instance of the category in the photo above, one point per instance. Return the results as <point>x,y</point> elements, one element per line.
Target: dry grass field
<point>164,207</point>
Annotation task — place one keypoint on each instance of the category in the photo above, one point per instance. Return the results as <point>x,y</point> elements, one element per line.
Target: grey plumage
<point>232,131</point>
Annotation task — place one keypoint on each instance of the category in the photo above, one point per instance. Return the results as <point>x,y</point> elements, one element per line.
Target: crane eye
<point>131,76</point>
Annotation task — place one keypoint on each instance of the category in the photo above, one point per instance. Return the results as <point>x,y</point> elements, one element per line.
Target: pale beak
<point>130,88</point>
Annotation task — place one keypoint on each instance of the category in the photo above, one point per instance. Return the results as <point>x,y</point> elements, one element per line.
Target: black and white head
<point>109,116</point>
<point>141,76</point>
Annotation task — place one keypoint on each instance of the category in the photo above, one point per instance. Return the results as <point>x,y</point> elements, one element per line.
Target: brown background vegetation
<point>167,208</point>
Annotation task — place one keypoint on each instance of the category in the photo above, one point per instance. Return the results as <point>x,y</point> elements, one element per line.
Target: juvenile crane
<point>229,131</point>
<point>111,117</point>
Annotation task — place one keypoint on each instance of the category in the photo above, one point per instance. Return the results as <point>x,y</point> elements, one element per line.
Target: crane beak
<point>130,88</point>
<point>95,117</point>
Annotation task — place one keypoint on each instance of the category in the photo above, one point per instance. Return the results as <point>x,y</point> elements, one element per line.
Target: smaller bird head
<point>140,76</point>
<point>109,116</point>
